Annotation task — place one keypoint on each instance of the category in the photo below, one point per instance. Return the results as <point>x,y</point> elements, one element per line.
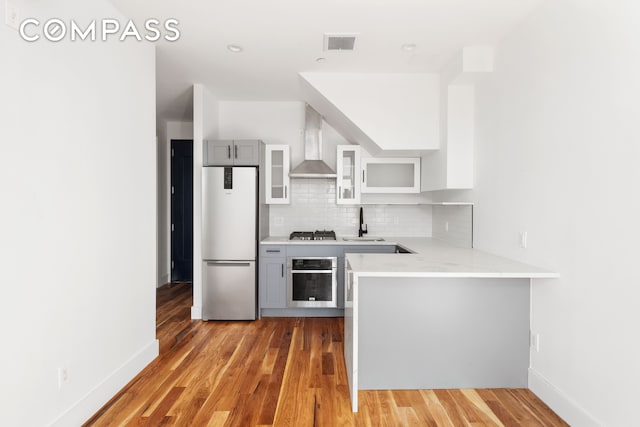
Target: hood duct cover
<point>313,166</point>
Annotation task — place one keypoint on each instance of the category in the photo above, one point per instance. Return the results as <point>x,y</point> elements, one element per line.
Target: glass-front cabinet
<point>277,174</point>
<point>348,175</point>
<point>390,175</point>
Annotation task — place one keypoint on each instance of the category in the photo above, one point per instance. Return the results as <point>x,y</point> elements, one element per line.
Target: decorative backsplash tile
<point>313,206</point>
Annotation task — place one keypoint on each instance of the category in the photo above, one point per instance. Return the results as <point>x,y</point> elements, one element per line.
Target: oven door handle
<point>313,271</point>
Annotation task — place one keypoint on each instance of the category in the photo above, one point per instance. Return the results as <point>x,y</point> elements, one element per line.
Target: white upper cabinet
<point>348,175</point>
<point>390,175</point>
<point>277,174</point>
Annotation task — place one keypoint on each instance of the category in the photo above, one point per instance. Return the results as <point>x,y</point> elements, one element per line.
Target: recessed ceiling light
<point>235,48</point>
<point>408,47</point>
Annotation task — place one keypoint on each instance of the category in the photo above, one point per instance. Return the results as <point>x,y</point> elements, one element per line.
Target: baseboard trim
<point>82,410</point>
<point>196,312</point>
<point>301,312</point>
<point>561,404</point>
<point>164,279</point>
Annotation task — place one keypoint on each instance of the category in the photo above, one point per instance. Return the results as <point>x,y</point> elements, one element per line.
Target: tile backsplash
<point>313,206</point>
<point>453,224</point>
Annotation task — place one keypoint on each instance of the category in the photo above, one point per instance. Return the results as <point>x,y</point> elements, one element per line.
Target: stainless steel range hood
<point>312,166</point>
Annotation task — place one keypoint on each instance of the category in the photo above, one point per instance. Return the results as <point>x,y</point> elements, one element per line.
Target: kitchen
<point>554,168</point>
<point>302,273</point>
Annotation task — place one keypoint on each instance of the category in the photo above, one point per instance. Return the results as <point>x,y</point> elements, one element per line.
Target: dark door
<point>181,210</point>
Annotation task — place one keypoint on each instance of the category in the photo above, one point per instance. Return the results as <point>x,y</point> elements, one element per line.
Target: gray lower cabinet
<point>272,279</point>
<point>357,249</point>
<point>273,283</point>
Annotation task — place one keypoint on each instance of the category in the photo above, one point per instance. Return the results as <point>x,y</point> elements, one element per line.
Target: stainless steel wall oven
<point>312,281</point>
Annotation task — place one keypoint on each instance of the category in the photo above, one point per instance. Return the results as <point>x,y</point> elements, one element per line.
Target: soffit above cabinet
<point>388,114</point>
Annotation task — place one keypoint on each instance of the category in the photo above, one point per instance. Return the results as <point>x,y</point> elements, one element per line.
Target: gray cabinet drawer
<point>273,251</point>
<point>313,250</point>
<point>370,249</point>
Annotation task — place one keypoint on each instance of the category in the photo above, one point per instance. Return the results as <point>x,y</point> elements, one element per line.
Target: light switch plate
<point>523,239</point>
<point>11,15</point>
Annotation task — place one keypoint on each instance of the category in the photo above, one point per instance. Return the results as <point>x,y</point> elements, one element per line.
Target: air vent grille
<point>339,41</point>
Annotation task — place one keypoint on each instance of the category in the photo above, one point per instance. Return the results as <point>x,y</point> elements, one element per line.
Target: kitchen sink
<point>363,239</point>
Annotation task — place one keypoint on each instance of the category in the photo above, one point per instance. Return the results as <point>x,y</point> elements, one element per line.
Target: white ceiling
<point>284,37</point>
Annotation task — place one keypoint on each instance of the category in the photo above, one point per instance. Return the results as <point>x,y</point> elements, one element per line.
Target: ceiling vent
<point>339,41</point>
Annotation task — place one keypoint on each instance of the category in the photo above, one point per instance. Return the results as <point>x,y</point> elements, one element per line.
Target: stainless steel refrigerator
<point>229,242</point>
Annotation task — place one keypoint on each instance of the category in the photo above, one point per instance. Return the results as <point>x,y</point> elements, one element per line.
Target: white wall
<point>78,218</point>
<point>272,122</point>
<point>557,155</point>
<point>313,201</point>
<point>394,111</point>
<point>205,126</point>
<point>275,123</point>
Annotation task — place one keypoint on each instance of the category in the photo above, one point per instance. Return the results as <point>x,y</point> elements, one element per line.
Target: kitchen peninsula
<point>440,317</point>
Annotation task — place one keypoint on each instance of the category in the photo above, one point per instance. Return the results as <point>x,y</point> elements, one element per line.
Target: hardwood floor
<point>285,372</point>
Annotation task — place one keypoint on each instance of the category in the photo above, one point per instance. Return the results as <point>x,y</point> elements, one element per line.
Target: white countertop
<point>433,258</point>
<point>284,240</point>
<point>430,258</point>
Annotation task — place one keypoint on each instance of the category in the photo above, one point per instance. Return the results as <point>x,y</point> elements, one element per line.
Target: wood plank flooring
<point>285,372</point>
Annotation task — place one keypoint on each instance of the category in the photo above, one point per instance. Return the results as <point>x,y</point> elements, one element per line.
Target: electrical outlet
<point>523,239</point>
<point>63,377</point>
<point>535,342</point>
<point>278,220</point>
<point>11,15</point>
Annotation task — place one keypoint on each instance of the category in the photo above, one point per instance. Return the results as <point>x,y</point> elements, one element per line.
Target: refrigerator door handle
<point>229,263</point>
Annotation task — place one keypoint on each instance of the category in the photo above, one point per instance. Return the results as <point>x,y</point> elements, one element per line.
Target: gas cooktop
<point>313,235</point>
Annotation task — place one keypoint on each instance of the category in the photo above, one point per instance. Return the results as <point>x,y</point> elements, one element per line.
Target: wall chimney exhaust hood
<point>313,166</point>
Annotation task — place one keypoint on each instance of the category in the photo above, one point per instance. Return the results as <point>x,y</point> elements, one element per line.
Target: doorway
<point>181,210</point>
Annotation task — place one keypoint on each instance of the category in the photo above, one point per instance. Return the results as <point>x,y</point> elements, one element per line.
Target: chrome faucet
<point>362,231</point>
